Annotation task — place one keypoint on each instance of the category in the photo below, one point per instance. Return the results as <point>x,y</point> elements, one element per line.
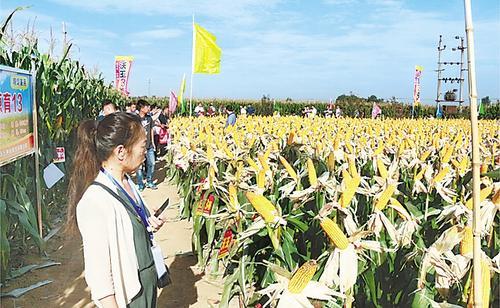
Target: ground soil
<point>190,287</point>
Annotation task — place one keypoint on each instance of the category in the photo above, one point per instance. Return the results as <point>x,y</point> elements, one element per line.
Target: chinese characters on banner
<point>122,72</point>
<point>416,85</point>
<point>16,114</point>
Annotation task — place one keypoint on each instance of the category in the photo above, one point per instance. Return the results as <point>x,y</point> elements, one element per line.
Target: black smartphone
<point>162,207</point>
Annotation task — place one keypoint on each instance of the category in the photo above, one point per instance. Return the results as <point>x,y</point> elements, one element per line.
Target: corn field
<point>338,212</point>
<point>65,93</point>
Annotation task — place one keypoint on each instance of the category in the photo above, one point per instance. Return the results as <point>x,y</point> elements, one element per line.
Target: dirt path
<point>68,289</point>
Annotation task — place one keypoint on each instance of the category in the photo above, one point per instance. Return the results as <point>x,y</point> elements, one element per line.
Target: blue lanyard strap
<point>138,206</point>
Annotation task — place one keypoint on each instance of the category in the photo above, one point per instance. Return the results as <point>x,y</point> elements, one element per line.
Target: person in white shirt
<point>199,110</point>
<point>110,214</point>
<point>243,111</point>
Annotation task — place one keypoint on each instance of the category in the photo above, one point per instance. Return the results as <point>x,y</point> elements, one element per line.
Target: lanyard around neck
<point>138,205</point>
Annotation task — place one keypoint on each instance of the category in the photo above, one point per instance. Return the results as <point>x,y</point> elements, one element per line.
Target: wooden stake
<point>476,159</point>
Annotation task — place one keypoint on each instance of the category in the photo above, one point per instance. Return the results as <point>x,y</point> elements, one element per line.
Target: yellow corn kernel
<point>485,192</point>
<point>399,208</point>
<point>331,162</point>
<point>313,180</point>
<point>233,199</point>
<point>379,150</point>
<point>384,198</point>
<point>263,162</point>
<point>302,277</point>
<point>228,152</point>
<point>445,158</point>
<point>334,233</point>
<point>252,164</point>
<point>441,174</point>
<point>350,190</point>
<point>485,285</point>
<point>261,179</point>
<point>288,168</point>
<point>486,279</point>
<point>289,140</point>
<point>381,169</point>
<point>263,206</point>
<point>268,152</point>
<point>424,156</point>
<point>349,146</point>
<point>420,174</point>
<point>184,150</point>
<point>466,243</point>
<point>210,153</point>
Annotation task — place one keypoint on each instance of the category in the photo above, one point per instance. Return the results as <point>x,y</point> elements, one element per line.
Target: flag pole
<point>476,261</point>
<point>192,73</point>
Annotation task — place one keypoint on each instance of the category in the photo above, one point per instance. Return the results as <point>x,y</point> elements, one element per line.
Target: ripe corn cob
<point>381,169</point>
<point>379,150</point>
<point>263,206</point>
<point>384,198</point>
<point>289,140</point>
<point>233,199</point>
<point>462,167</point>
<point>441,174</point>
<point>302,276</point>
<point>288,168</point>
<point>313,180</point>
<point>399,208</point>
<point>446,154</point>
<point>485,285</point>
<point>252,164</point>
<point>351,187</point>
<point>261,179</point>
<point>263,162</point>
<point>485,192</point>
<point>420,174</point>
<point>466,243</point>
<point>334,233</point>
<point>210,153</point>
<point>424,156</point>
<point>268,152</point>
<point>331,162</point>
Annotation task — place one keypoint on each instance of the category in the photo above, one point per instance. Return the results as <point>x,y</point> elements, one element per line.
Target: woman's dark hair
<point>95,143</point>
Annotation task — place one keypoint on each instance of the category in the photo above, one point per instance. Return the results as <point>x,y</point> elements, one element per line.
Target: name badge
<point>158,258</point>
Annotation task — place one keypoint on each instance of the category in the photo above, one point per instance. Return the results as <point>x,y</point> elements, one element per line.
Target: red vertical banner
<point>122,72</point>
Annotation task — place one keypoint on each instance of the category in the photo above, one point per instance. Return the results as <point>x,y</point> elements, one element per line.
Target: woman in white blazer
<point>115,225</point>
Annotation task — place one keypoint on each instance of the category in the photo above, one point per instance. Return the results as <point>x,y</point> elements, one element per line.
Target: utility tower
<point>450,95</point>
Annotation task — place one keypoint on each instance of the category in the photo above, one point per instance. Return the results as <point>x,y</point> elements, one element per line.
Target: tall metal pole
<point>37,150</point>
<point>439,70</point>
<point>192,73</point>
<point>476,261</point>
<point>460,93</point>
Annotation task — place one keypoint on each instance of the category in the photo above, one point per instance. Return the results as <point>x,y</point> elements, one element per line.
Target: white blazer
<point>108,245</point>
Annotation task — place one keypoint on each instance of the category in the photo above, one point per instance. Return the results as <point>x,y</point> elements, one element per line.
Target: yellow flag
<point>180,96</point>
<point>206,52</point>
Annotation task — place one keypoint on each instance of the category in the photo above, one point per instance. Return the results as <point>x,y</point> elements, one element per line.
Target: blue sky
<point>298,49</point>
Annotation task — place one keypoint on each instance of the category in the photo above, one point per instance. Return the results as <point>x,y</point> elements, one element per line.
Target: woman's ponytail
<point>84,170</point>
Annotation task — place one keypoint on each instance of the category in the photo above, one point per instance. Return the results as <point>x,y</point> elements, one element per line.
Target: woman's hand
<point>156,222</point>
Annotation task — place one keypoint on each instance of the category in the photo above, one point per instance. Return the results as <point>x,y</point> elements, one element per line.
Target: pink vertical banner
<point>416,85</point>
<point>122,72</point>
<point>172,103</point>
